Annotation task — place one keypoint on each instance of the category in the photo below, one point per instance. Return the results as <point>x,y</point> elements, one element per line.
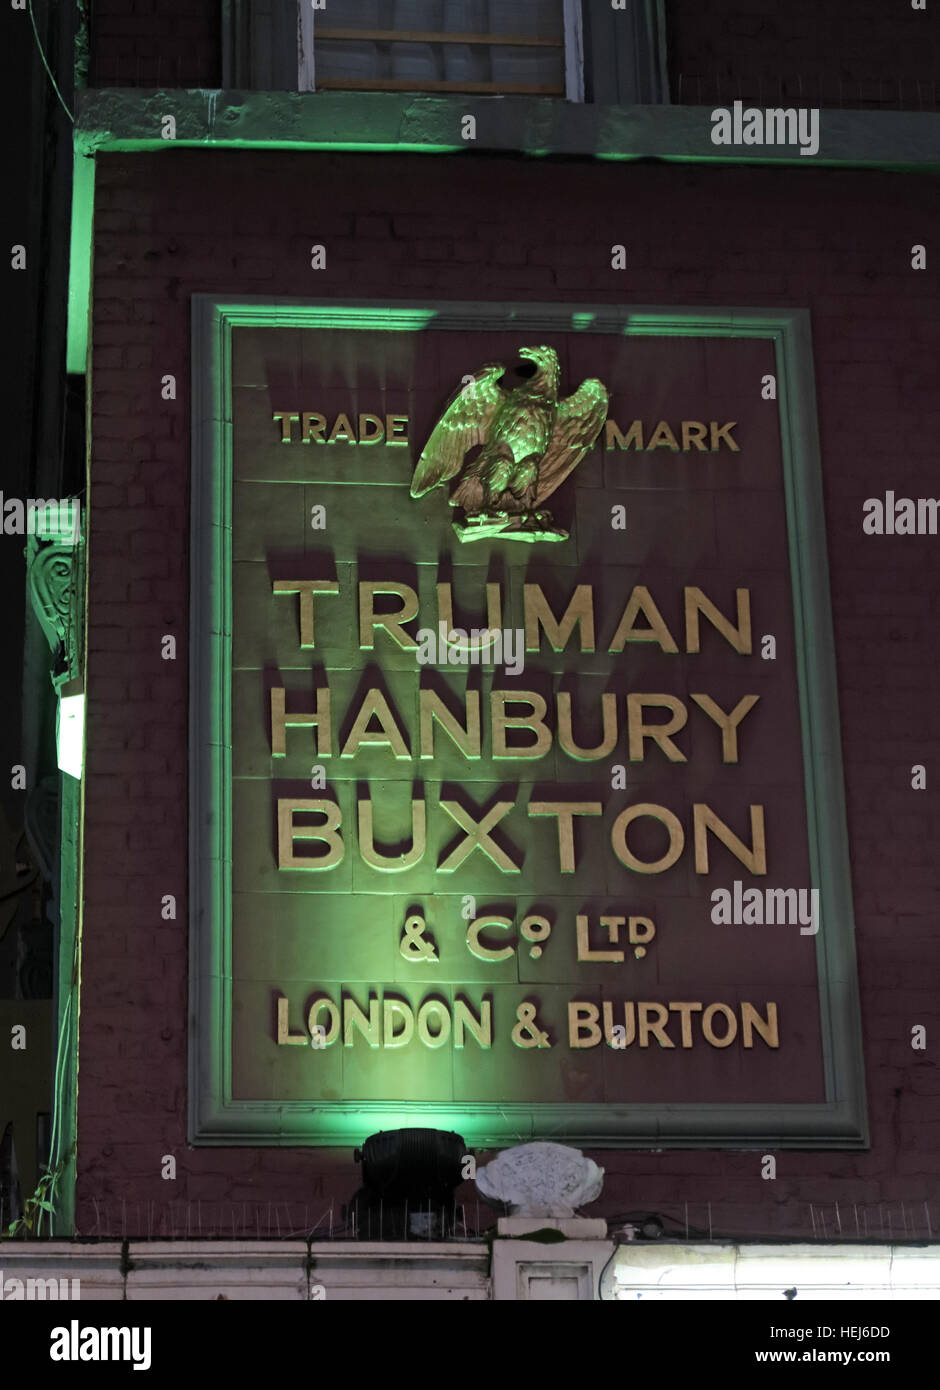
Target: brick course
<point>143,43</point>
<point>856,54</point>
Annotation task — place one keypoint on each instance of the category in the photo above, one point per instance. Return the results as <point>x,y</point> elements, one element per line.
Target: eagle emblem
<point>510,447</point>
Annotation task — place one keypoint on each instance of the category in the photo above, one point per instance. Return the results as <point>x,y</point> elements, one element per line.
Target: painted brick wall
<point>156,43</point>
<point>838,242</point>
<point>851,53</point>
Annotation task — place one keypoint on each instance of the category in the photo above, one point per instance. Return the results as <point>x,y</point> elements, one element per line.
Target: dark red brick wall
<point>155,43</point>
<point>171,225</point>
<point>852,53</point>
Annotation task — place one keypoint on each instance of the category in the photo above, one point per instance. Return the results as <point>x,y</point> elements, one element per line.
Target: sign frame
<point>214,1117</point>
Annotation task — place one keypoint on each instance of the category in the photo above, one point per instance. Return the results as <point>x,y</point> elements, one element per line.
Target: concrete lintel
<point>131,119</point>
<point>97,1266</point>
<point>573,1227</point>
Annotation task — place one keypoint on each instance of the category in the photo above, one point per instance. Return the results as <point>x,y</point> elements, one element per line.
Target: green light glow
<point>70,731</point>
<point>83,205</point>
<point>159,146</point>
<point>386,320</point>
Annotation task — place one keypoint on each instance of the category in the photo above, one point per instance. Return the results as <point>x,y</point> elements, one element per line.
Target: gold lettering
<point>659,733</point>
<point>467,738</point>
<point>392,1008</point>
<point>375,706</point>
<point>342,429</point>
<point>396,430</point>
<point>705,819</point>
<point>580,612</point>
<point>662,437</point>
<point>378,434</point>
<point>657,1028</point>
<point>566,737</point>
<point>638,937</point>
<point>481,1028</point>
<point>534,722</point>
<point>634,436</point>
<point>752,1022</point>
<point>723,433</point>
<point>284,1036</point>
<point>331,1033</point>
<point>433,1008</point>
<point>494,607</point>
<point>629,1024</point>
<point>710,1035</point>
<point>312,427</point>
<point>370,621</point>
<point>354,1018</point>
<point>287,418</point>
<point>479,948</point>
<point>739,637</point>
<point>477,837</point>
<point>686,1011</point>
<point>618,838</point>
<point>306,588</point>
<point>584,943</point>
<point>327,834</point>
<point>565,811</point>
<point>727,723</point>
<point>693,436</point>
<point>281,721</point>
<point>388,862</point>
<point>641,601</point>
<point>582,1018</point>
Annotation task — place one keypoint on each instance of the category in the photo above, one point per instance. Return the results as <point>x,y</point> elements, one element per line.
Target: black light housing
<point>419,1165</point>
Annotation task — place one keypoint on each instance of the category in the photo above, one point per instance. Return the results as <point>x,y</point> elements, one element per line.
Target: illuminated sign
<point>540,834</point>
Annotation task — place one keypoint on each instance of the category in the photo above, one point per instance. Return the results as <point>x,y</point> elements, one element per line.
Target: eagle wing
<point>578,421</point>
<point>464,423</point>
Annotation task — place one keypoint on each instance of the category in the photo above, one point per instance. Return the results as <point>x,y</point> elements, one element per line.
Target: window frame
<point>268,45</point>
<point>573,60</point>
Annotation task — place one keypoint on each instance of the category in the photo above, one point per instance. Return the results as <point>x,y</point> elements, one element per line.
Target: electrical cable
<point>55,85</point>
<point>600,1277</point>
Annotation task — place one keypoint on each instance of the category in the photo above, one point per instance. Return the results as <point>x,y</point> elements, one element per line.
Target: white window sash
<point>306,69</point>
<point>574,49</point>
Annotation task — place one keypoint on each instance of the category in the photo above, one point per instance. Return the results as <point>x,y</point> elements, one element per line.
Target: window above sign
<point>516,47</point>
<point>574,50</point>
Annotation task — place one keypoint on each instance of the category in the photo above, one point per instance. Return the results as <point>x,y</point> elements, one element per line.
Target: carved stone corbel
<point>53,576</point>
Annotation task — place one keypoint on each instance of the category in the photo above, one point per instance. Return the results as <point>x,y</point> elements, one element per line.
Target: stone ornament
<point>541,1179</point>
<point>54,585</point>
<point>530,442</point>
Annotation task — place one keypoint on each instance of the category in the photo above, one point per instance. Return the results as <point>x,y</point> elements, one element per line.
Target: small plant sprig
<point>42,1200</point>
